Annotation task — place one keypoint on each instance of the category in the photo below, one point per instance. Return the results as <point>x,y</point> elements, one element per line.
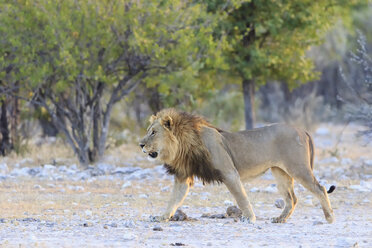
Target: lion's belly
<point>251,171</point>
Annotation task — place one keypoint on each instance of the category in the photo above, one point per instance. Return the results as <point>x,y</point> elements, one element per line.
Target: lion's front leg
<point>235,186</point>
<point>179,192</point>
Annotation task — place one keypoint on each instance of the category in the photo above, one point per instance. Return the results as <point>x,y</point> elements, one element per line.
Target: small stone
<point>157,228</point>
<point>126,185</point>
<point>129,236</point>
<point>128,224</point>
<point>165,189</point>
<point>228,203</point>
<point>317,222</point>
<point>322,131</point>
<point>143,196</point>
<point>177,244</point>
<point>88,212</point>
<point>308,202</point>
<point>179,216</point>
<point>37,186</point>
<point>254,190</point>
<point>279,203</point>
<point>218,216</point>
<point>233,211</point>
<point>114,225</point>
<point>105,226</point>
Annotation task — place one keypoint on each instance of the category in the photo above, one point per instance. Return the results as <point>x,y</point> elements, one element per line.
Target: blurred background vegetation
<point>91,72</point>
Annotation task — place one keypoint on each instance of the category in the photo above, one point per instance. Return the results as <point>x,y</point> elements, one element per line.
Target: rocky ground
<point>63,205</point>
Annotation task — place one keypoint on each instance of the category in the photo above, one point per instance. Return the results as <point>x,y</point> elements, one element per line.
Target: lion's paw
<point>158,218</point>
<point>250,220</point>
<point>278,220</point>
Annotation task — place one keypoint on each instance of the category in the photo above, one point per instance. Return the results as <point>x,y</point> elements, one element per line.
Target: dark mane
<point>193,158</point>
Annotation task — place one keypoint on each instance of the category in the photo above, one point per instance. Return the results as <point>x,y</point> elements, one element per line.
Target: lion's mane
<point>192,157</point>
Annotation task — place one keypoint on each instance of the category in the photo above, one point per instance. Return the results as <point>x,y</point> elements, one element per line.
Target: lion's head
<point>160,141</point>
<point>174,138</point>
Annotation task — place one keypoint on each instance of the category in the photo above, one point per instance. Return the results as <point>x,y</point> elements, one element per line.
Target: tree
<point>76,59</point>
<point>357,75</point>
<point>268,40</point>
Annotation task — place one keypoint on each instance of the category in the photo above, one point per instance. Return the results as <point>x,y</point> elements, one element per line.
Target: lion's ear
<point>152,118</point>
<point>167,122</point>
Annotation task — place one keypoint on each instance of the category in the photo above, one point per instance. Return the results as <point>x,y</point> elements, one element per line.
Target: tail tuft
<point>331,189</point>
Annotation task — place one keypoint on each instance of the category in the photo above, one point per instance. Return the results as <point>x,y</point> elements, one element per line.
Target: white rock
<point>129,224</point>
<point>106,168</point>
<point>143,196</point>
<point>78,188</point>
<point>49,167</point>
<point>359,188</point>
<point>165,189</point>
<point>308,202</point>
<point>37,186</point>
<point>141,174</point>
<point>268,175</point>
<point>20,171</point>
<point>126,185</point>
<point>4,168</point>
<point>26,160</point>
<point>346,161</point>
<point>368,162</point>
<point>128,236</point>
<point>198,185</point>
<point>254,190</point>
<point>88,213</point>
<point>62,168</point>
<point>73,167</point>
<point>270,189</point>
<point>125,170</point>
<point>366,184</point>
<point>322,131</point>
<point>329,160</point>
<point>323,143</point>
<point>279,203</point>
<point>228,203</point>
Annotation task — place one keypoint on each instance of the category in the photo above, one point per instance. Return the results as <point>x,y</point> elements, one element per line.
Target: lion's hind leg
<point>307,179</point>
<point>286,189</point>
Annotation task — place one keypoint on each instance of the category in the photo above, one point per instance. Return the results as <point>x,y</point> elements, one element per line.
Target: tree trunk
<point>248,93</point>
<point>93,153</point>
<point>5,145</point>
<point>14,119</point>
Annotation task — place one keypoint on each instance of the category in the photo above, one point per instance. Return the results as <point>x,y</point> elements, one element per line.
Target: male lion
<point>190,146</point>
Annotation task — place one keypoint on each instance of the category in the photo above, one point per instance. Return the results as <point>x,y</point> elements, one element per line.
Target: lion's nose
<point>141,145</point>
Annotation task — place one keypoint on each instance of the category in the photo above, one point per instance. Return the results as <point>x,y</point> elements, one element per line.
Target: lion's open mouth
<point>153,154</point>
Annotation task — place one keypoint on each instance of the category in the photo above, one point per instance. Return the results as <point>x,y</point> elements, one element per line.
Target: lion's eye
<point>153,133</point>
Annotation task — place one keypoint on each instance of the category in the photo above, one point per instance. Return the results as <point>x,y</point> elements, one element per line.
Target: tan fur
<point>191,147</point>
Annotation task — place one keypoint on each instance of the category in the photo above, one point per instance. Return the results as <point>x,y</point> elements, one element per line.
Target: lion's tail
<point>331,189</point>
<point>311,148</point>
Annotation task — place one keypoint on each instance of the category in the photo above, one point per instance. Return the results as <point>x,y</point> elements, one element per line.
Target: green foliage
<point>57,43</point>
<point>268,40</point>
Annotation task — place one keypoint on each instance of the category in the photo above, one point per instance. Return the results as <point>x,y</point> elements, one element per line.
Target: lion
<point>191,147</point>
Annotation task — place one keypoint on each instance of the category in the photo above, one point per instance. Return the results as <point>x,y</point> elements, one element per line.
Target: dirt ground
<point>109,205</point>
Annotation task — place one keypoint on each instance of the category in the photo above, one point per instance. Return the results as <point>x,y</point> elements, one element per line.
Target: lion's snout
<point>153,154</point>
